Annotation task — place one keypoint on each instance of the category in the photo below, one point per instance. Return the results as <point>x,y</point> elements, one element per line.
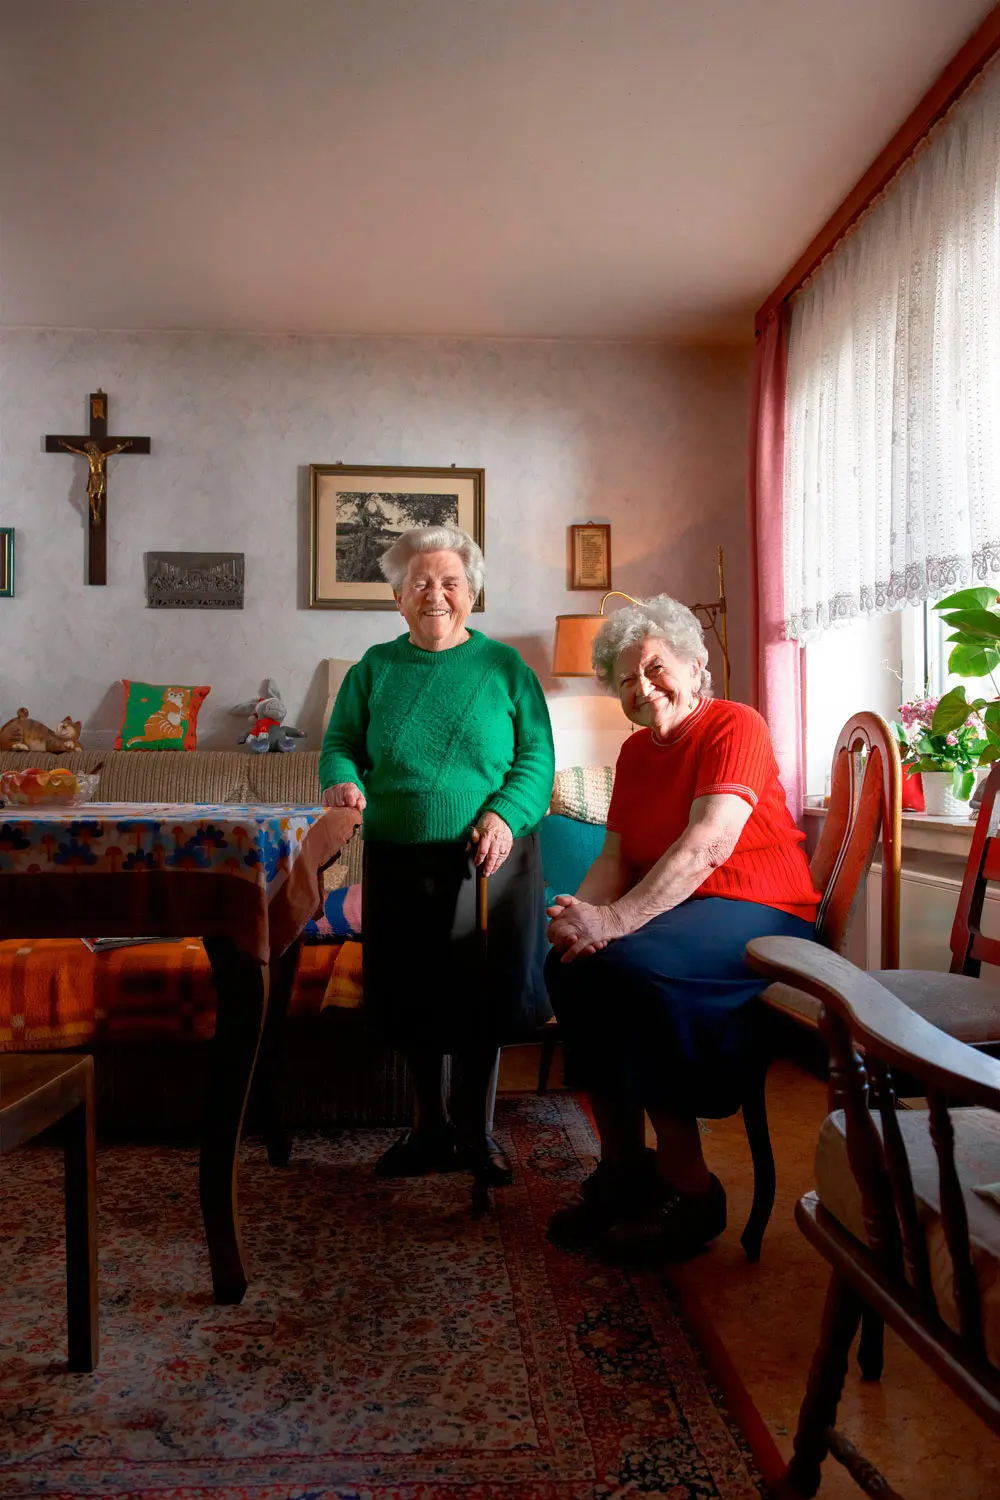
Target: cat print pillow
<point>159,717</point>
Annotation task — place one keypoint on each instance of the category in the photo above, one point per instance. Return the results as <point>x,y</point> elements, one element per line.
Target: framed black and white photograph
<point>357,511</point>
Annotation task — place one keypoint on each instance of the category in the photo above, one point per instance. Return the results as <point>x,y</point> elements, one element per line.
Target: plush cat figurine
<point>22,733</point>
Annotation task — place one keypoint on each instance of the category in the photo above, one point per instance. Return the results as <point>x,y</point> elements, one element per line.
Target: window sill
<point>921,831</point>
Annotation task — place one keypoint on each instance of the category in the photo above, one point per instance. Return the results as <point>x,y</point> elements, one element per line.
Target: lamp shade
<point>573,644</point>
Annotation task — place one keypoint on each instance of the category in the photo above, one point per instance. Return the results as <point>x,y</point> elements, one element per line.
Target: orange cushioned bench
<point>147,1014</point>
<point>55,993</point>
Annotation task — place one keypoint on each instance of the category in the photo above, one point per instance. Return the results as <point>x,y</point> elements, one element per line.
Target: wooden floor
<point>927,1443</point>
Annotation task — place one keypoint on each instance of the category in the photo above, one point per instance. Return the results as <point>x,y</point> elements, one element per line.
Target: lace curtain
<point>892,414</point>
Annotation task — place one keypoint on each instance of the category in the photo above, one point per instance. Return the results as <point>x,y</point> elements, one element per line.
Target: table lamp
<point>574,639</point>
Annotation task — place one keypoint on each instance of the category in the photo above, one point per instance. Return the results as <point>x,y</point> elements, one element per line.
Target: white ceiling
<point>593,168</point>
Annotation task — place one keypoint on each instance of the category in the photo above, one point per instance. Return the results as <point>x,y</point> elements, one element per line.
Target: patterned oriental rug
<point>391,1346</point>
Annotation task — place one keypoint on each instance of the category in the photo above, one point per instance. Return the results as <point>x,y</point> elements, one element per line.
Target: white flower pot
<point>939,799</point>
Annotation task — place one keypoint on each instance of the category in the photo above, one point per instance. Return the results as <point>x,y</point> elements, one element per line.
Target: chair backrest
<point>870,1033</point>
<point>970,948</point>
<point>337,668</point>
<point>866,802</point>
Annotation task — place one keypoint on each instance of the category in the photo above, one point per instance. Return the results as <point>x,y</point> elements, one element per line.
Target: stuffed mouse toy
<point>268,734</point>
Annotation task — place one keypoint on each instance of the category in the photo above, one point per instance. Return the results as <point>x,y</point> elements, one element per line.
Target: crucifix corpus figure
<point>97,447</point>
<point>97,457</point>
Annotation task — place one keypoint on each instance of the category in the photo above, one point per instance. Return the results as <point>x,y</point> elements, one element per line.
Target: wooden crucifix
<point>97,447</point>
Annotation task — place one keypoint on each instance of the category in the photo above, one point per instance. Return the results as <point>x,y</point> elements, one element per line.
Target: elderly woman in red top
<point>647,974</point>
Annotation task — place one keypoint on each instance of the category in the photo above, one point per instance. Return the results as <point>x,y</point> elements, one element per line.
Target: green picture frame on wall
<point>6,562</point>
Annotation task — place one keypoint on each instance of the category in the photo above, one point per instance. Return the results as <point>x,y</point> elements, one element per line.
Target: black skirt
<point>429,978</point>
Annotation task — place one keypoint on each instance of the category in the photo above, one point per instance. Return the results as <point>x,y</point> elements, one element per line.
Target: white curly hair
<point>660,618</point>
<point>396,559</point>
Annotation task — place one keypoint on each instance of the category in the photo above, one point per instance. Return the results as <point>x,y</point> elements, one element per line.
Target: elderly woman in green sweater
<point>441,738</point>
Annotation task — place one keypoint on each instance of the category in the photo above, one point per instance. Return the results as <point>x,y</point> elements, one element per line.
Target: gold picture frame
<point>356,511</point>
<point>590,556</point>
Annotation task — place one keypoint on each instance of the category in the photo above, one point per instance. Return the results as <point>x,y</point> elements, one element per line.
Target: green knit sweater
<point>435,738</point>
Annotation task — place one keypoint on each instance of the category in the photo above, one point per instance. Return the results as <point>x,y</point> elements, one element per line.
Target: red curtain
<point>777,664</point>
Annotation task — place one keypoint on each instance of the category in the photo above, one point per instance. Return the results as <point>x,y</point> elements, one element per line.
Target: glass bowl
<point>57,788</point>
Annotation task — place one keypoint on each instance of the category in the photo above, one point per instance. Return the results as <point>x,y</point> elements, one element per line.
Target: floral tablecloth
<point>255,843</point>
<point>161,863</point>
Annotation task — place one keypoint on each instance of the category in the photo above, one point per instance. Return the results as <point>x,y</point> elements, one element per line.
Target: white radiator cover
<point>928,900</point>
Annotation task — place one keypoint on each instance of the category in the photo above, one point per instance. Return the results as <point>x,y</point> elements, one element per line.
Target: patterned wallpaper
<point>650,438</point>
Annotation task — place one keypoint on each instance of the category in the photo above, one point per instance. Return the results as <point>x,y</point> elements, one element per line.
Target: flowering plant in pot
<point>954,754</point>
<point>956,734</point>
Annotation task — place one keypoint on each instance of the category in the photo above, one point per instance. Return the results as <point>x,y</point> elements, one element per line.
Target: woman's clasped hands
<point>577,928</point>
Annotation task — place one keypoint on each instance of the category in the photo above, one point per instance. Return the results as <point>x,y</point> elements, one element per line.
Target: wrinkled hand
<point>345,794</point>
<point>492,841</point>
<point>577,928</point>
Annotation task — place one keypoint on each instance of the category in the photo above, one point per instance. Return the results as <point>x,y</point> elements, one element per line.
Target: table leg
<point>82,1305</point>
<point>277,1140</point>
<point>241,986</point>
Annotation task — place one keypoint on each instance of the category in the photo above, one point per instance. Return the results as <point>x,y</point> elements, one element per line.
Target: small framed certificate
<point>590,557</point>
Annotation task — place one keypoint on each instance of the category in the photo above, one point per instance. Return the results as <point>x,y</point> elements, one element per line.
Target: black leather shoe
<point>487,1160</point>
<point>605,1196</point>
<point>419,1152</point>
<point>678,1227</point>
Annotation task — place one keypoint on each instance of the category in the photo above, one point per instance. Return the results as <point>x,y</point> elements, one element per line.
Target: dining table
<point>243,878</point>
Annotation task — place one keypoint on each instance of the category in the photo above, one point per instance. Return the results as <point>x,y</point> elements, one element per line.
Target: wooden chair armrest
<point>878,1020</point>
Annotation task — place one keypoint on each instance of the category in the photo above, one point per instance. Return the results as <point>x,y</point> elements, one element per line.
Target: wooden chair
<point>960,1002</point>
<point>895,1210</point>
<point>37,1091</point>
<point>865,805</point>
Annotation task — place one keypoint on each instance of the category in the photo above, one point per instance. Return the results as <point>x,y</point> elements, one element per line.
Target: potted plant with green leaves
<point>948,739</point>
<point>947,759</point>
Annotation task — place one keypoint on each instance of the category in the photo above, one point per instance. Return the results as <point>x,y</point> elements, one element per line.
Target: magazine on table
<point>102,944</point>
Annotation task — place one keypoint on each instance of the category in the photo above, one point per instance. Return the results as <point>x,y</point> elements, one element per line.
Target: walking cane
<point>482,923</point>
<point>480,1185</point>
<point>482,911</point>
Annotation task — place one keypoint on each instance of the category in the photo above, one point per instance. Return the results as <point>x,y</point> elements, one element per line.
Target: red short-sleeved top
<point>720,747</point>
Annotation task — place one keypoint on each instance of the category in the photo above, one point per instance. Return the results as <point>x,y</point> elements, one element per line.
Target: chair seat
<point>977,1157</point>
<point>966,1008</point>
<point>36,1091</point>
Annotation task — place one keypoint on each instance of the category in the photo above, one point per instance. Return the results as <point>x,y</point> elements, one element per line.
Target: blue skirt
<point>664,1017</point>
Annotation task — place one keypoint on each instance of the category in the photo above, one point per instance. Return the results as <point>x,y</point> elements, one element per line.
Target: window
<point>874,663</point>
<point>892,414</point>
<point>925,652</point>
<point>857,666</point>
